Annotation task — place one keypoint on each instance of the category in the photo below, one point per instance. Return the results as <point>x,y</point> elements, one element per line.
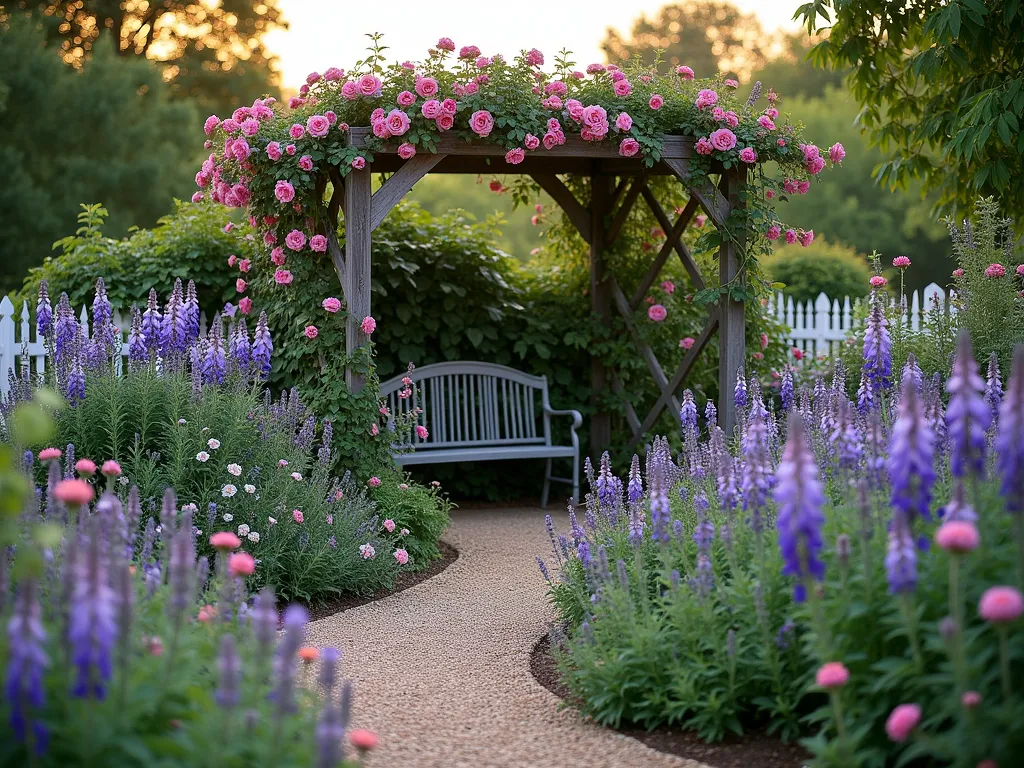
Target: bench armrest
<point>577,418</point>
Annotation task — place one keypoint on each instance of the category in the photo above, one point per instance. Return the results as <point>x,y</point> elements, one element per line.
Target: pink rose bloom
<point>515,156</point>
<point>331,117</point>
<point>211,123</point>
<point>593,69</point>
<point>232,260</point>
<point>622,88</point>
<point>225,540</point>
<point>556,88</point>
<point>373,482</point>
<point>623,122</point>
<point>685,72</point>
<point>732,83</point>
<point>482,62</point>
<point>832,675</point>
<point>431,109</point>
<point>374,429</point>
<point>269,239</point>
<point>902,262</point>
<point>531,141</point>
<point>359,162</point>
<point>369,85</point>
<point>284,191</point>
<point>426,87</point>
<point>331,304</point>
<point>764,341</point>
<point>703,146</point>
<point>445,122</point>
<point>902,721</point>
<point>970,699</point>
<point>389,525</point>
<point>802,187</point>
<point>1020,269</point>
<point>397,122</point>
<point>686,343</point>
<point>368,326</point>
<point>534,58</point>
<point>657,312</point>
<point>406,99</point>
<point>333,74</point>
<point>723,139</point>
<point>668,286</point>
<point>306,163</point>
<point>318,243</point>
<point>283,277</point>
<point>773,232</point>
<point>278,256</point>
<point>877,281</point>
<point>594,115</point>
<point>240,149</point>
<point>481,122</point>
<point>781,142</point>
<point>748,155</point>
<point>296,240</point>
<point>958,273</point>
<point>700,220</point>
<point>1001,605</point>
<point>617,74</point>
<point>806,238</point>
<point>957,536</point>
<point>297,516</point>
<point>350,90</point>
<point>732,119</point>
<point>245,305</point>
<point>250,126</point>
<point>318,126</point>
<point>629,147</point>
<point>449,106</point>
<point>718,114</point>
<point>296,101</point>
<point>706,98</point>
<point>471,88</point>
<point>406,151</point>
<point>995,270</point>
<point>445,44</point>
<point>549,140</point>
<point>421,432</point>
<point>311,332</point>
<point>656,102</point>
<point>197,197</point>
<point>836,153</point>
<point>815,165</point>
<point>297,131</point>
<point>766,122</point>
<point>790,236</point>
<point>240,285</point>
<point>401,556</point>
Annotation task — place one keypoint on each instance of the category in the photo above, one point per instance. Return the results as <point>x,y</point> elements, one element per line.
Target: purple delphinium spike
<point>958,508</point>
<point>138,355</point>
<point>757,470</point>
<point>173,334</point>
<point>26,662</point>
<point>901,559</point>
<point>152,322</point>
<point>603,484</point>
<point>799,495</point>
<point>214,363</point>
<point>543,569</point>
<point>264,620</point>
<point>658,487</point>
<point>323,454</point>
<point>294,620</point>
<point>92,628</point>
<point>103,331</point>
<point>993,385</point>
<point>75,387</point>
<point>740,392</point>
<point>865,397</point>
<point>181,575</point>
<point>877,346</point>
<point>229,665</point>
<point>704,531</point>
<point>786,391</point>
<point>240,349</point>
<point>845,437</point>
<point>635,487</point>
<point>711,415</point>
<point>44,312</point>
<point>65,331</point>
<point>913,372</point>
<point>728,493</point>
<point>583,553</point>
<point>968,416</point>
<point>688,416</point>
<point>911,456</point>
<point>704,581</point>
<point>262,346</point>
<point>191,313</point>
<point>1009,442</point>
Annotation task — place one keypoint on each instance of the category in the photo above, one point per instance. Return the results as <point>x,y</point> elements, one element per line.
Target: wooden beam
<point>677,378</point>
<point>337,197</point>
<point>357,266</point>
<point>561,194</point>
<point>659,261</point>
<point>638,185</point>
<point>398,186</point>
<point>600,304</point>
<point>645,351</point>
<point>713,201</point>
<point>619,189</point>
<point>731,342</point>
<point>337,254</point>
<point>674,237</point>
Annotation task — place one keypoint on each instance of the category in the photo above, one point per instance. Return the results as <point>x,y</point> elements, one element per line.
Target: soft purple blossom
<point>911,455</point>
<point>901,557</point>
<point>786,390</point>
<point>757,469</point>
<point>173,328</point>
<point>968,416</point>
<point>239,347</point>
<point>152,322</point>
<point>262,346</point>
<point>711,414</point>
<point>26,663</point>
<point>214,364</point>
<point>190,311</point>
<point>658,485</point>
<point>92,629</point>
<point>993,385</point>
<point>229,666</point>
<point>137,352</point>
<point>44,312</point>
<point>877,347</point>
<point>264,620</point>
<point>286,660</point>
<point>65,331</point>
<point>1009,441</point>
<point>740,391</point>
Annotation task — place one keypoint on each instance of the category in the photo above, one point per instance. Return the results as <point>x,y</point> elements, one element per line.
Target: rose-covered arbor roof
<point>617,184</point>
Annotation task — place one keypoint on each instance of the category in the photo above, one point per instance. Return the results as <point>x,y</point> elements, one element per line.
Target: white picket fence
<point>18,338</point>
<point>818,327</point>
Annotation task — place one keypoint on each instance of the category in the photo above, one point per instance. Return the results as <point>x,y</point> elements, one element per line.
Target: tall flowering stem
<point>968,416</point>
<point>1009,444</point>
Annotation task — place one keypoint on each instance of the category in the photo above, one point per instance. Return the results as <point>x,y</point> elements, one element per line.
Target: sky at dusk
<point>326,33</point>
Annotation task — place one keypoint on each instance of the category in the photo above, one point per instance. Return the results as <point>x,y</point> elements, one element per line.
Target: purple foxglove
<point>103,330</point>
<point>1009,442</point>
<point>138,355</point>
<point>968,416</point>
<point>214,365</point>
<point>911,456</point>
<point>739,394</point>
<point>877,347</point>
<point>295,618</point>
<point>786,391</point>
<point>239,348</point>
<point>799,495</point>
<point>901,558</point>
<point>75,385</point>
<point>262,346</point>
<point>993,385</point>
<point>92,628</point>
<point>264,620</point>
<point>173,332</point>
<point>711,415</point>
<point>152,322</point>
<point>26,662</point>
<point>191,313</point>
<point>66,331</point>
<point>44,312</point>
<point>229,666</point>
<point>757,470</point>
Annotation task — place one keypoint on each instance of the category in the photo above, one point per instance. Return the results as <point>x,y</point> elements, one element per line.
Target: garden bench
<point>482,412</point>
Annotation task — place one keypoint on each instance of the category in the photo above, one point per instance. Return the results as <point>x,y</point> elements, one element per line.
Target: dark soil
<point>406,579</point>
<point>755,749</point>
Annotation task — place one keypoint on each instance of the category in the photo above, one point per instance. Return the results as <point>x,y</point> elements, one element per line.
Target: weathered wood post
<point>731,320</point>
<point>357,265</point>
<point>601,304</point>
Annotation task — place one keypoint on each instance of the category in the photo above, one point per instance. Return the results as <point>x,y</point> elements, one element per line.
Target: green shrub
<point>420,510</point>
<point>830,268</point>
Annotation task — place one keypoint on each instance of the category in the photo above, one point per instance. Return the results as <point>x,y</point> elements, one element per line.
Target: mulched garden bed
<point>755,748</point>
<point>406,579</point>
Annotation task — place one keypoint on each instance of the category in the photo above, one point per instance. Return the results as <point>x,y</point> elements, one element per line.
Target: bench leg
<point>576,478</point>
<point>547,485</point>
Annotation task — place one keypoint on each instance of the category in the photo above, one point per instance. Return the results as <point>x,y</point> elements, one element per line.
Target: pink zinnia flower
<point>368,326</point>
<point>995,270</point>
<point>284,191</point>
<point>515,156</point>
<point>50,454</point>
<point>283,277</point>
<point>481,122</point>
<point>687,342</point>
<point>657,313</point>
<point>241,564</point>
<point>999,605</point>
<point>629,147</point>
<point>877,281</point>
<point>902,721</point>
<point>331,304</point>
<point>656,101</point>
<point>311,332</point>
<point>901,261</point>
<point>957,536</point>
<point>406,151</point>
<point>225,540</point>
<point>685,72</point>
<point>723,139</point>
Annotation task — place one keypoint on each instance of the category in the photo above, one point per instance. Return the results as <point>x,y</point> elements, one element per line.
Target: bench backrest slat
<point>465,404</point>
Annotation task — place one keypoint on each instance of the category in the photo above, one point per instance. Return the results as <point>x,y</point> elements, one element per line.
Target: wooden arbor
<point>598,224</point>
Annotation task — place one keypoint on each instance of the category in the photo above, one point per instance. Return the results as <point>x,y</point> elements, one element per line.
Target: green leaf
<point>475,336</point>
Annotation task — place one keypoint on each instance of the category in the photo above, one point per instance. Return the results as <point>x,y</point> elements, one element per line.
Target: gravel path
<point>441,670</point>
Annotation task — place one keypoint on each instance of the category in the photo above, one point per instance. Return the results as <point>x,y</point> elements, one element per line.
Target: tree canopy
<point>212,50</point>
<point>941,86</point>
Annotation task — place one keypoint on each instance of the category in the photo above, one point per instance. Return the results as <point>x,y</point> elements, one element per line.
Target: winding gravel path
<point>441,670</point>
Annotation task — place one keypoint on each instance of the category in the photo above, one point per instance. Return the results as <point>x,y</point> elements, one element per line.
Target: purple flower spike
<point>993,385</point>
<point>173,330</point>
<point>138,355</point>
<point>214,365</point>
<point>757,470</point>
<point>740,392</point>
<point>239,347</point>
<point>786,391</point>
<point>1009,440</point>
<point>230,666</point>
<point>44,312</point>
<point>295,618</point>
<point>191,313</point>
<point>901,559</point>
<point>711,415</point>
<point>658,483</point>
<point>799,495</point>
<point>92,629</point>
<point>65,331</point>
<point>262,346</point>
<point>152,322</point>
<point>264,620</point>
<point>911,455</point>
<point>968,416</point>
<point>27,660</point>
<point>877,347</point>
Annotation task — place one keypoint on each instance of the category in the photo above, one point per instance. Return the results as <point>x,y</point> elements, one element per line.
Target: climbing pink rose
<point>311,332</point>
<point>515,156</point>
<point>806,238</point>
<point>284,191</point>
<point>297,131</point>
<point>700,220</point>
<point>623,122</point>
<point>421,432</point>
<point>295,240</point>
<point>748,155</point>
<point>306,163</point>
<point>389,525</point>
<point>397,122</point>
<point>406,99</point>
<point>318,126</point>
<point>283,277</point>
<point>232,260</point>
<point>668,286</point>
<point>685,72</point>
<point>278,256</point>
<point>289,149</point>
<point>359,162</point>
<point>445,122</point>
<point>331,304</point>
<point>245,305</point>
<point>350,90</point>
<point>369,85</point>
<point>791,236</point>
<point>431,109</point>
<point>481,122</point>
<point>368,326</point>
<point>406,151</point>
<point>240,285</point>
<point>773,232</point>
<point>657,313</point>
<point>836,153</point>
<point>534,58</point>
<point>531,141</point>
<point>723,139</point>
<point>211,123</point>
<point>764,341</point>
<point>766,122</point>
<point>445,44</point>
<point>958,273</point>
<point>656,101</point>
<point>426,87</point>
<point>703,146</point>
<point>629,147</point>
<point>449,106</point>
<point>686,343</point>
<point>318,243</point>
<point>622,88</point>
<point>706,98</point>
